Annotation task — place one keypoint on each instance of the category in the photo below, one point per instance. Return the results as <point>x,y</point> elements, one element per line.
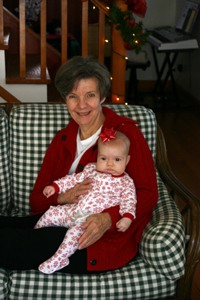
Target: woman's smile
<point>83,113</point>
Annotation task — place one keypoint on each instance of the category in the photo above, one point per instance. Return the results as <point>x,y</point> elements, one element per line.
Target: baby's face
<point>112,159</point>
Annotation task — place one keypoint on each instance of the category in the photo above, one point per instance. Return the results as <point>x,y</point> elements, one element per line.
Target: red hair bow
<point>108,134</point>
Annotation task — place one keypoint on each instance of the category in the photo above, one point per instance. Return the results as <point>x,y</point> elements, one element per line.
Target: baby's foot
<point>52,265</point>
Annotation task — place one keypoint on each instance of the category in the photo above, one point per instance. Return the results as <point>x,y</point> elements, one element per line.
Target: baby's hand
<point>123,224</point>
<point>49,191</point>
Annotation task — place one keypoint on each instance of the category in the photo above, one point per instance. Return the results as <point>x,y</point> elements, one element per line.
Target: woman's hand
<point>71,196</point>
<point>96,225</point>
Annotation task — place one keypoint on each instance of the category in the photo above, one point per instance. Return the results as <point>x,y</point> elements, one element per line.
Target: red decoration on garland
<point>131,32</point>
<point>138,7</point>
<point>108,134</point>
<point>132,24</point>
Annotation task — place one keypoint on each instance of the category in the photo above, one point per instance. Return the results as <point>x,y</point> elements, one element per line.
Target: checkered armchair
<point>169,248</point>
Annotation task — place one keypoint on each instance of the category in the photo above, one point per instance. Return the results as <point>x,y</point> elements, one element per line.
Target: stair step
<point>33,70</point>
<point>5,45</point>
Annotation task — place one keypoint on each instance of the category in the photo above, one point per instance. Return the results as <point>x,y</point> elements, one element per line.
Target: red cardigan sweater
<point>115,248</point>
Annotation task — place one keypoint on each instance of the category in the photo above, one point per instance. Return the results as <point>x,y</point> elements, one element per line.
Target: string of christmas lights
<point>131,32</point>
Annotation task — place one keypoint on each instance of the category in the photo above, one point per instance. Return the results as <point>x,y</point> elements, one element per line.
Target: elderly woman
<point>84,83</point>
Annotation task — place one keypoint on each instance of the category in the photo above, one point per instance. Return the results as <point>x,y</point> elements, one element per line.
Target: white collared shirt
<point>82,147</point>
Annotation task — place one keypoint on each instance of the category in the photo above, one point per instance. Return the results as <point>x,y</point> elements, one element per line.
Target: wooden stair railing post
<point>43,56</point>
<point>22,39</point>
<point>64,31</point>
<point>1,23</point>
<point>85,28</point>
<point>118,62</point>
<point>101,46</point>
<point>103,10</point>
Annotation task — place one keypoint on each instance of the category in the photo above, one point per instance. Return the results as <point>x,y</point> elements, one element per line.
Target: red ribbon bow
<point>108,134</point>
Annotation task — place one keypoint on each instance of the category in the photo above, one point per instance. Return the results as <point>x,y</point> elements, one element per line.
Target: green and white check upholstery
<point>163,239</point>
<point>146,119</point>
<point>4,284</point>
<point>160,260</point>
<point>4,163</point>
<point>134,281</point>
<point>32,128</point>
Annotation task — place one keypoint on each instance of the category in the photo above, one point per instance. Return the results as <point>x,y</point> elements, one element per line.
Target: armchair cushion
<point>163,239</point>
<point>4,163</point>
<point>136,280</point>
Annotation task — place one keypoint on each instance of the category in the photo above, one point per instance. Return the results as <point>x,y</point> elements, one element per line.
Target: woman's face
<point>84,106</point>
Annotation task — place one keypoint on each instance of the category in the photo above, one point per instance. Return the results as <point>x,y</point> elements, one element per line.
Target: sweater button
<point>64,138</point>
<point>94,148</point>
<point>93,262</point>
<point>80,167</point>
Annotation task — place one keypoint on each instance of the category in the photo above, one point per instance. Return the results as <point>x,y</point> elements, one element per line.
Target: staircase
<point>26,74</point>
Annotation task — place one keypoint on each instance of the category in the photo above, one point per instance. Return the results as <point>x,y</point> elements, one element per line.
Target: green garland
<point>131,32</point>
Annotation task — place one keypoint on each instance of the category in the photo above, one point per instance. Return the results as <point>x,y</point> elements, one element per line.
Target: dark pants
<point>25,248</point>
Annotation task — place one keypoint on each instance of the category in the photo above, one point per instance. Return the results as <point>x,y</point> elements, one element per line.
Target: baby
<point>111,187</point>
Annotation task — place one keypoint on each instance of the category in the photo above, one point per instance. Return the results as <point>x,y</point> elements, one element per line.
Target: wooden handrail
<point>8,96</point>
<point>101,6</point>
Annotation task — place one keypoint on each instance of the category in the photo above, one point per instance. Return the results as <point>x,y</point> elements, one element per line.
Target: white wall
<point>167,12</point>
<point>160,13</point>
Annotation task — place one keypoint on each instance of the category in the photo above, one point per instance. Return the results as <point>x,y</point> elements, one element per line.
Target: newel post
<point>118,63</point>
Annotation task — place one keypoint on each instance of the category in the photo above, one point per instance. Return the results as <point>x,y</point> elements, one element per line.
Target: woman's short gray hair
<point>79,67</point>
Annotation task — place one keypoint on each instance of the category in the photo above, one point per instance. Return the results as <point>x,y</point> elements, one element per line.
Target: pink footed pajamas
<point>107,191</point>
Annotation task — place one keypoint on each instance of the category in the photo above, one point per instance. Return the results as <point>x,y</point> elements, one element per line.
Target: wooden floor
<point>181,128</point>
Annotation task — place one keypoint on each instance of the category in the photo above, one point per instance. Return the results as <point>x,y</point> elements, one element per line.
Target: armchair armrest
<point>190,212</point>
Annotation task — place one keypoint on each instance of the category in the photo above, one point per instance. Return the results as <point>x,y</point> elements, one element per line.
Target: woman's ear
<point>102,101</point>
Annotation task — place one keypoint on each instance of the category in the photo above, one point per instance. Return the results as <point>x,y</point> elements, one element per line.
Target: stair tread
<point>5,45</point>
<point>33,70</point>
